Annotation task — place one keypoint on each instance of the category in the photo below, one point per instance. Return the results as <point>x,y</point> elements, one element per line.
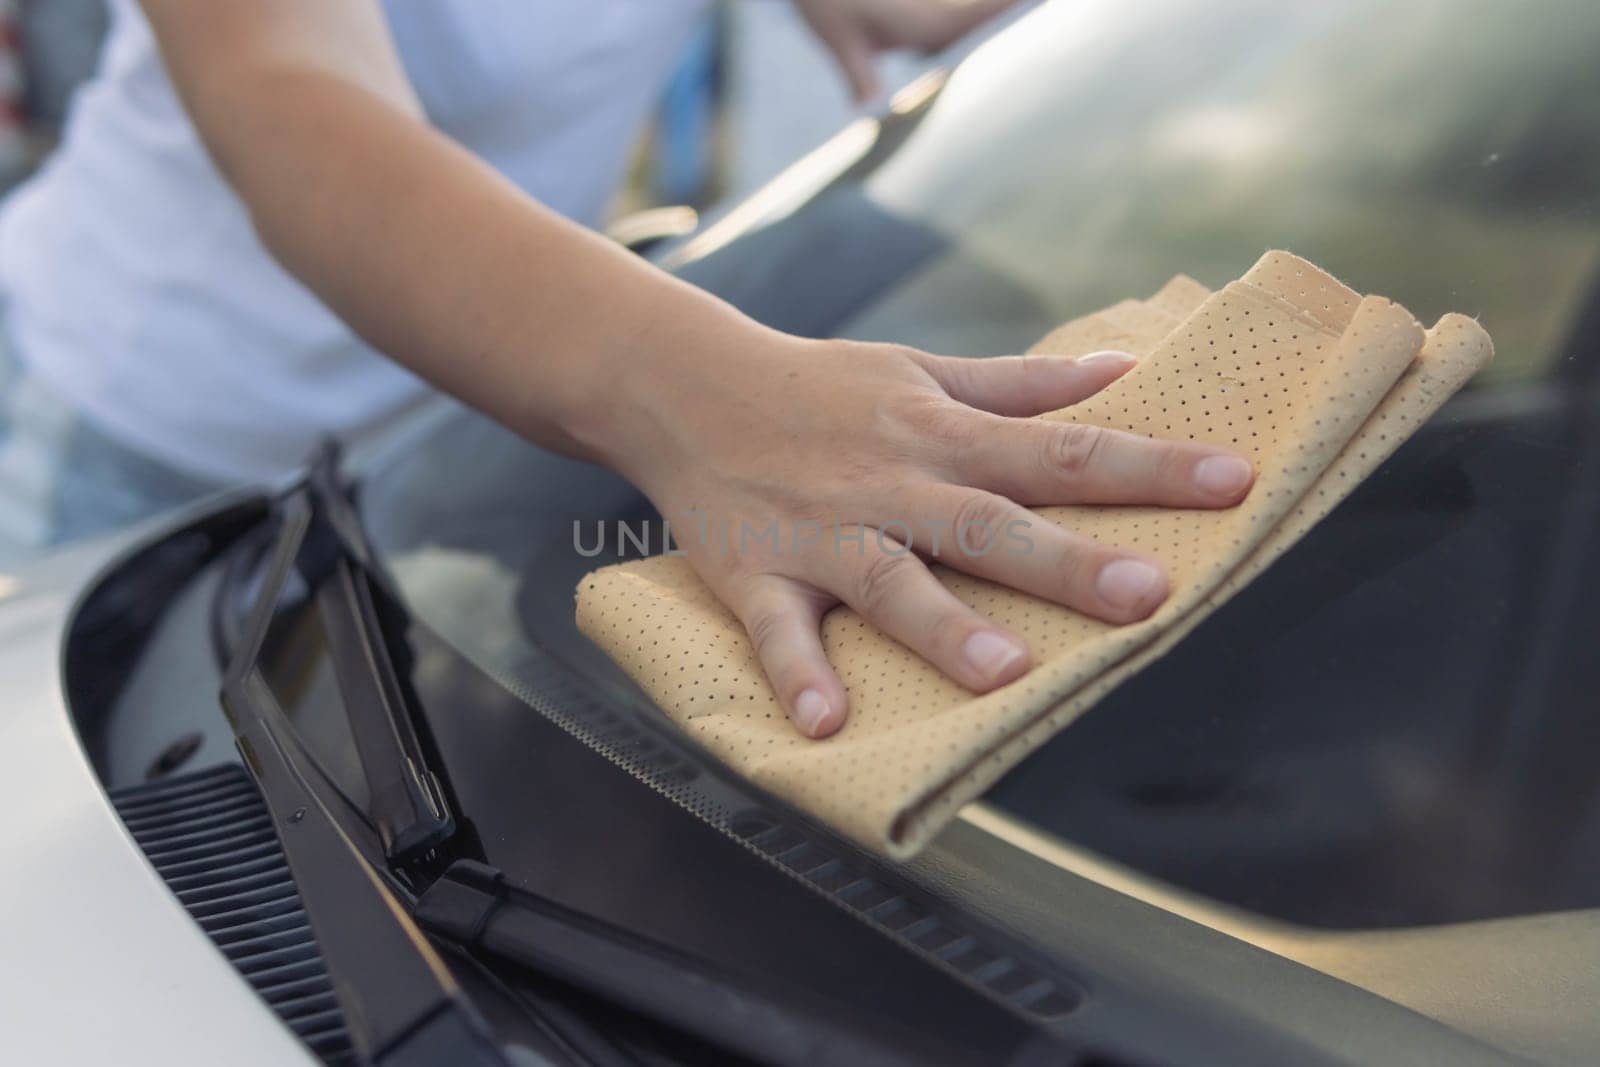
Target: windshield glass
<point>1394,726</point>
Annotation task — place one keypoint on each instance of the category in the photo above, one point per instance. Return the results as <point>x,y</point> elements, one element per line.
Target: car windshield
<point>1395,725</point>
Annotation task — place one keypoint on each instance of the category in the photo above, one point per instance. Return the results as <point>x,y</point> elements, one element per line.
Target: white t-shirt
<point>135,287</point>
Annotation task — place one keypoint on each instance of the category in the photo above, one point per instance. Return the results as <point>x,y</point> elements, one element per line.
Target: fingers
<point>1026,385</point>
<point>1045,462</point>
<point>991,537</point>
<point>894,590</point>
<point>889,586</point>
<point>1067,463</point>
<point>784,620</point>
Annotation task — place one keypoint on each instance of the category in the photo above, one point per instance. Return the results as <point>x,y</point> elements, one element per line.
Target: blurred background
<point>731,118</point>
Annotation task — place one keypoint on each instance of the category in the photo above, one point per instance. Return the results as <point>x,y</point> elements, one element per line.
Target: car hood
<point>102,964</point>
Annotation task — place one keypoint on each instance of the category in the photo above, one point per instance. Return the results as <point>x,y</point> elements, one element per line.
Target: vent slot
<point>209,835</point>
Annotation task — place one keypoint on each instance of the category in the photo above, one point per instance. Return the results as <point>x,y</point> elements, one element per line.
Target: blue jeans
<point>61,479</point>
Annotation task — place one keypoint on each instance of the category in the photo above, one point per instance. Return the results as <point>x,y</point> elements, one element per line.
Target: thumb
<point>1026,385</point>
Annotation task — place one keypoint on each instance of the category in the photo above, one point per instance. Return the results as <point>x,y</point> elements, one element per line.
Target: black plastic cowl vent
<point>210,836</point>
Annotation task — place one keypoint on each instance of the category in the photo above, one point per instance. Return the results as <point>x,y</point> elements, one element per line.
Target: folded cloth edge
<point>1431,380</point>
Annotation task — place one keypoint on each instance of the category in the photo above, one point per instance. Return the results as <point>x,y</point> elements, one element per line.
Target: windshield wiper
<point>399,999</point>
<point>408,805</point>
<point>321,538</point>
<point>369,915</point>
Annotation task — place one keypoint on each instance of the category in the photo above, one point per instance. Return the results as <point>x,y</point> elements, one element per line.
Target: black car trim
<point>869,889</point>
<point>394,987</point>
<point>747,1016</point>
<point>216,873</point>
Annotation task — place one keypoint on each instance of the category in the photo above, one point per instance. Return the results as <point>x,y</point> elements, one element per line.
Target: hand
<point>857,30</point>
<point>756,458</point>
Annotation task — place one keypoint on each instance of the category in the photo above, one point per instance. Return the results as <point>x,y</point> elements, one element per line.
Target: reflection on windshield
<point>837,259</point>
<point>1445,153</point>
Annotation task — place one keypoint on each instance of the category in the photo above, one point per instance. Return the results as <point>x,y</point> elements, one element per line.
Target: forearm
<point>445,266</point>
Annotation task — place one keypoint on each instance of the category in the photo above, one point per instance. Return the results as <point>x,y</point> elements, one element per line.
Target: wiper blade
<point>407,807</point>
<point>399,999</point>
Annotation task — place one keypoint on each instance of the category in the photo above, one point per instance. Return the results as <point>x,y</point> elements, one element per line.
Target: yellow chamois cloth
<point>1315,383</point>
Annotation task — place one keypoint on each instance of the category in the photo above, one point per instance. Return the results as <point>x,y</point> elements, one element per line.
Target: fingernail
<point>1110,357</point>
<point>1221,475</point>
<point>990,654</point>
<point>810,709</point>
<point>1126,583</point>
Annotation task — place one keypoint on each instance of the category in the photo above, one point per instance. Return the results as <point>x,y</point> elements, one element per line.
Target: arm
<point>423,249</point>
<point>573,343</point>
